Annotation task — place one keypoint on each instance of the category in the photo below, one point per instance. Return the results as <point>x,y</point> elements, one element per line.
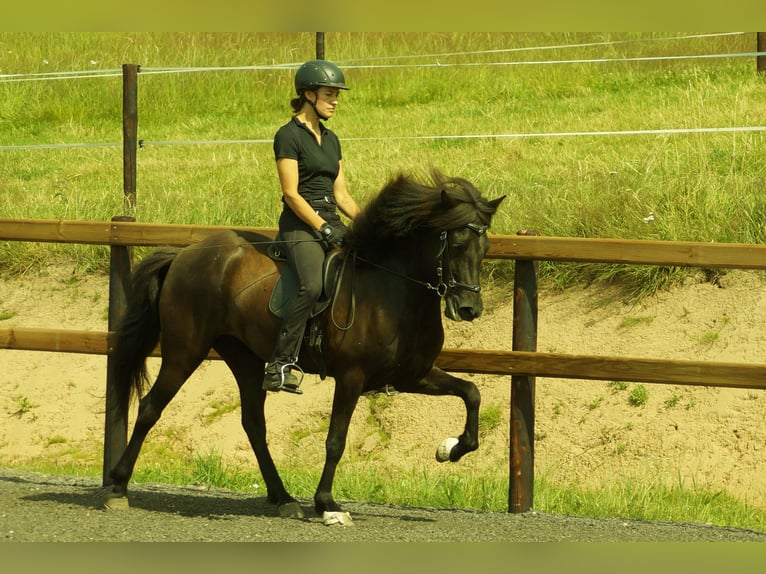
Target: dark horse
<point>415,244</point>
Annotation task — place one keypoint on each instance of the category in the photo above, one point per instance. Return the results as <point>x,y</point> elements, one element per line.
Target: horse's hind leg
<point>169,380</point>
<point>248,371</point>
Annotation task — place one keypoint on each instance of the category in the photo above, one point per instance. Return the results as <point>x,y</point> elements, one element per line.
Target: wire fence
<point>439,60</point>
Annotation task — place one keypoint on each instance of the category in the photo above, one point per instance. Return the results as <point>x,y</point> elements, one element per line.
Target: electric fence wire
<point>151,71</point>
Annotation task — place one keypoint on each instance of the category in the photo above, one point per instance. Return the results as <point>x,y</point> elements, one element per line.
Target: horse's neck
<point>416,257</point>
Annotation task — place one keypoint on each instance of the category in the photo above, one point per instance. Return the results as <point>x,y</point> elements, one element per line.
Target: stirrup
<point>282,384</point>
<point>388,390</point>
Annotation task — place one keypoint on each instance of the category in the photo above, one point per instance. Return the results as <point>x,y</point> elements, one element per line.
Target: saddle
<point>286,289</point>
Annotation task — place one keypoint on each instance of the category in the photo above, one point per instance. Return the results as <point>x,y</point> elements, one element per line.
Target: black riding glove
<point>331,236</point>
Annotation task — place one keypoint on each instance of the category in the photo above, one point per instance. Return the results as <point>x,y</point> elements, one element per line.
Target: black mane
<point>407,205</point>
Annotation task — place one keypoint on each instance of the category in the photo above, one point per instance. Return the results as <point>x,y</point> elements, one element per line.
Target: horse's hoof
<point>340,518</point>
<point>445,448</point>
<point>116,503</point>
<point>290,510</point>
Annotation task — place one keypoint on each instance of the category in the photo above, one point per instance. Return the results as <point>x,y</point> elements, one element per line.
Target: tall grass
<point>699,187</point>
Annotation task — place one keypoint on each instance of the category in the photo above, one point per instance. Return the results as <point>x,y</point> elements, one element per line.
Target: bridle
<point>441,287</point>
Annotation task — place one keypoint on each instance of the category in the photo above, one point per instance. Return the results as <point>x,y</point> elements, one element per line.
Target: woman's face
<point>327,100</point>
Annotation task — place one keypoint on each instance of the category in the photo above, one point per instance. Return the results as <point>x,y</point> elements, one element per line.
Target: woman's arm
<point>288,180</point>
<point>343,198</point>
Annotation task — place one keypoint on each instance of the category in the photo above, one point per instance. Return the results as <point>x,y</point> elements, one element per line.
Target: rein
<point>441,288</point>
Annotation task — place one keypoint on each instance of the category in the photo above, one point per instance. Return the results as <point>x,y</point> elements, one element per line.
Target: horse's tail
<point>139,330</point>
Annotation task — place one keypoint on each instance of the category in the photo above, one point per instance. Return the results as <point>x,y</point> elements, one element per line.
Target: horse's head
<point>449,214</point>
<point>464,249</point>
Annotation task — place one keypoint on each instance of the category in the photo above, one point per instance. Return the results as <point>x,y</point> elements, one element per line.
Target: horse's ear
<point>495,203</point>
<point>448,201</point>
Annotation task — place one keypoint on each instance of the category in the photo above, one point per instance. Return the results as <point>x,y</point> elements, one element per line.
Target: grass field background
<point>497,109</point>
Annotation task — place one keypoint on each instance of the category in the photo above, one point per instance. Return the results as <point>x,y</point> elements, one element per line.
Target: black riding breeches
<point>305,255</point>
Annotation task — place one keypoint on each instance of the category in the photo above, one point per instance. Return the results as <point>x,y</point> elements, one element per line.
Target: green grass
<point>699,187</point>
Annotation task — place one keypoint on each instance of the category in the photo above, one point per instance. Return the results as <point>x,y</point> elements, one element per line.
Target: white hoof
<point>445,448</point>
<point>116,503</point>
<point>332,518</point>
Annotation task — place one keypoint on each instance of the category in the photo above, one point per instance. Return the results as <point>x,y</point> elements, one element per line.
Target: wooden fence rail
<point>523,363</point>
<point>488,362</point>
<point>627,251</point>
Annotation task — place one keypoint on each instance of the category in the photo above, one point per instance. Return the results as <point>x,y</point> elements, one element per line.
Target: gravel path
<point>41,507</point>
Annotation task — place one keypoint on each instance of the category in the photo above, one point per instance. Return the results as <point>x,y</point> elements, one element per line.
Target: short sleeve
<point>285,144</point>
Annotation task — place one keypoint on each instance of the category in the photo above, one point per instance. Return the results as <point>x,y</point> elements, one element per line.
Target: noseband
<point>442,257</point>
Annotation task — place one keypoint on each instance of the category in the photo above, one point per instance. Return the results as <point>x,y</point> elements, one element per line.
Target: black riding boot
<point>278,375</point>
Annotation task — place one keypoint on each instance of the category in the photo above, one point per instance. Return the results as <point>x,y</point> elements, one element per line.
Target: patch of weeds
<point>58,439</point>
<point>378,403</point>
<point>617,386</point>
<point>632,321</point>
<point>316,425</point>
<point>672,401</point>
<point>220,408</point>
<point>638,396</point>
<point>595,403</point>
<point>558,408</point>
<point>708,337</point>
<point>5,315</point>
<point>489,419</point>
<point>23,406</point>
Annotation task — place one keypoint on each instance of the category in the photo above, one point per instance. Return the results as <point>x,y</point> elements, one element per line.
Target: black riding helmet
<point>316,73</point>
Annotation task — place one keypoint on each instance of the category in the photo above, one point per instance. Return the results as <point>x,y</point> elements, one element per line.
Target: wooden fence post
<point>761,49</point>
<point>522,426</point>
<point>115,423</point>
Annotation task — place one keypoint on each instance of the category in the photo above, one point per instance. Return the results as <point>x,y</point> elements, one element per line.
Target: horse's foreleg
<point>344,402</point>
<point>438,382</point>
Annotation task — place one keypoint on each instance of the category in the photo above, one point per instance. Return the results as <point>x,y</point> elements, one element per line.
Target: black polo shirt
<point>318,166</point>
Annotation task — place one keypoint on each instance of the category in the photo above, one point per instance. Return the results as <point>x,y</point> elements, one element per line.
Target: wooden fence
<point>523,363</point>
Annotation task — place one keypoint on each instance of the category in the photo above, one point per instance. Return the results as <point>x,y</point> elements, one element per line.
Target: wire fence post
<point>522,425</point>
<point>129,133</point>
<point>320,45</point>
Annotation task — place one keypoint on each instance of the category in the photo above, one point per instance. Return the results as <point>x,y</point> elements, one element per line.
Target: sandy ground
<point>587,432</point>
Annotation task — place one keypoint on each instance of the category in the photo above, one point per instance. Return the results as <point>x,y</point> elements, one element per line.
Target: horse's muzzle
<point>462,309</point>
